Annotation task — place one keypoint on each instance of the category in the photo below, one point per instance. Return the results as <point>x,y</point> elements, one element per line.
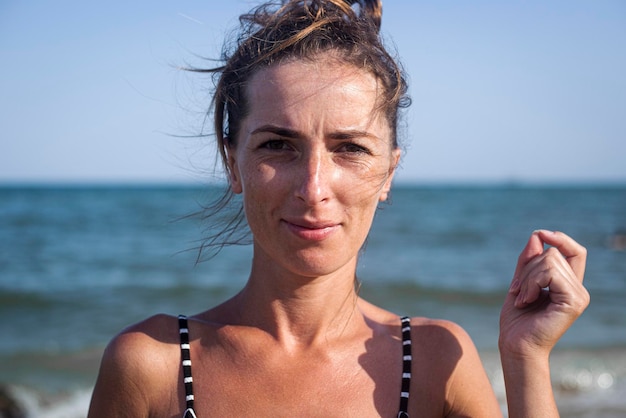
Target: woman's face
<point>313,159</point>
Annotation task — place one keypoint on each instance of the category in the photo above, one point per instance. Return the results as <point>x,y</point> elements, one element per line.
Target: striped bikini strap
<point>185,355</point>
<point>406,367</point>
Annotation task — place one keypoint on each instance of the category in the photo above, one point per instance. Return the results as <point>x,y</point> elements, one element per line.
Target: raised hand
<point>546,294</point>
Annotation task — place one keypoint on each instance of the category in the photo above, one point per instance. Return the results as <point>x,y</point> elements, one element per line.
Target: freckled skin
<point>312,152</point>
<point>313,159</point>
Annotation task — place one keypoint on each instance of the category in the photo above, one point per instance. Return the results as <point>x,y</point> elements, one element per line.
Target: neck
<point>296,310</point>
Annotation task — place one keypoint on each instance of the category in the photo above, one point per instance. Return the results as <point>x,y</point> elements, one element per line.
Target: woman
<point>306,110</point>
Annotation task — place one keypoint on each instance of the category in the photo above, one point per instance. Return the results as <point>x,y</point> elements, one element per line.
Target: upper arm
<point>138,371</point>
<point>469,392</point>
<point>119,391</point>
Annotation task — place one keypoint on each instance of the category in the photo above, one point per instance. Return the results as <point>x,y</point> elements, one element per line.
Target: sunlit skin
<point>313,160</point>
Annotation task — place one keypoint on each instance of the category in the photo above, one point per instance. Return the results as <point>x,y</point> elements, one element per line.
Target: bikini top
<point>188,379</point>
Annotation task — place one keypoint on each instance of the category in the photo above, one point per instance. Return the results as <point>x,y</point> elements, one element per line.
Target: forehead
<point>325,87</point>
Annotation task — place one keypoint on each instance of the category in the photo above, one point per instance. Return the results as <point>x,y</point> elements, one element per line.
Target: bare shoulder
<point>439,331</point>
<point>138,343</point>
<point>427,333</point>
<point>447,352</point>
<point>440,345</point>
<point>138,367</point>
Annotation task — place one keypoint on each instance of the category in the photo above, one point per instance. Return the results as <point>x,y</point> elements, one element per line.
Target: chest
<point>304,386</point>
<point>363,381</point>
<point>367,385</point>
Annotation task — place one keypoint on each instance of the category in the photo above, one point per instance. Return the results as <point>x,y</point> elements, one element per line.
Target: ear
<point>233,170</point>
<point>395,160</point>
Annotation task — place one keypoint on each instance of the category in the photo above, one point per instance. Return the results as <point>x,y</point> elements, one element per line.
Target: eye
<point>275,145</point>
<point>353,148</point>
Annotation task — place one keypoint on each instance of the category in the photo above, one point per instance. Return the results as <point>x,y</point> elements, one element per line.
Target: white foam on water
<point>36,405</point>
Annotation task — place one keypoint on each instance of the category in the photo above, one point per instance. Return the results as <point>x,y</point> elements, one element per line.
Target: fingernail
<point>514,286</point>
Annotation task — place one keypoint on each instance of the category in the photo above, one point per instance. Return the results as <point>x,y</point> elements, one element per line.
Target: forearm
<point>528,386</point>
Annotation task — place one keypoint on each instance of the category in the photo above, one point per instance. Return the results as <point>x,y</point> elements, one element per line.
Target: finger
<point>574,253</point>
<point>533,248</point>
<point>550,272</point>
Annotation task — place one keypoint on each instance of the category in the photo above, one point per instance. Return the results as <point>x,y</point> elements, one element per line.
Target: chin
<point>319,264</point>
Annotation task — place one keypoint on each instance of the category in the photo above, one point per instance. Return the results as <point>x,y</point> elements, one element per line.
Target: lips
<point>311,230</point>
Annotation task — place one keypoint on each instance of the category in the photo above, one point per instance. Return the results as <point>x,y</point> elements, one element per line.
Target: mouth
<point>311,231</point>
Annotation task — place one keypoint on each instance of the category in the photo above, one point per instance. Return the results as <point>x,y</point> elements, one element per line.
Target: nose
<point>314,177</point>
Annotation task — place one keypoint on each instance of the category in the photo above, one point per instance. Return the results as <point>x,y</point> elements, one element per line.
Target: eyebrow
<point>292,133</point>
<point>280,131</point>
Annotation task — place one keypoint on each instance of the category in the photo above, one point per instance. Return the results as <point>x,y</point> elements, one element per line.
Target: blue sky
<point>531,91</point>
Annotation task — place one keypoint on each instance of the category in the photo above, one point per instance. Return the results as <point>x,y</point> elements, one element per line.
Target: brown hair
<point>298,29</point>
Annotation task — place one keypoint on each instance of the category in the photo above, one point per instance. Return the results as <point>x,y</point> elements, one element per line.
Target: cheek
<point>258,179</point>
<point>260,188</point>
<point>366,187</point>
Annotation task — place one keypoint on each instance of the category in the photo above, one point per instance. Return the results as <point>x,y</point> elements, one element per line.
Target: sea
<point>78,263</point>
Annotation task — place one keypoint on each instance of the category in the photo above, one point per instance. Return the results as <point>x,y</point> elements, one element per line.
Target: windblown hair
<point>277,32</point>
